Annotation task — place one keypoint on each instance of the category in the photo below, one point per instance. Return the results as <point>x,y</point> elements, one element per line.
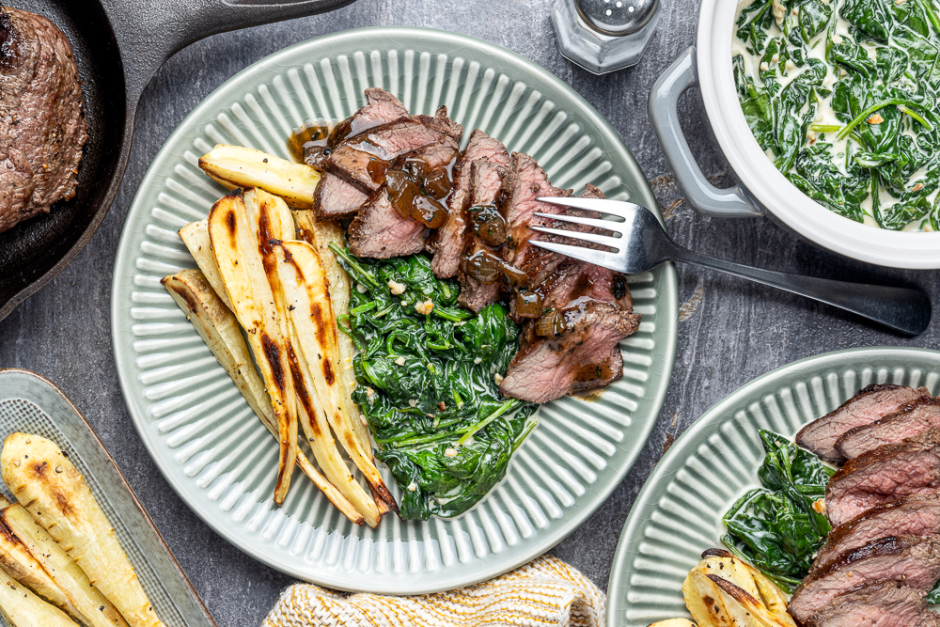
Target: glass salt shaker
<point>604,35</point>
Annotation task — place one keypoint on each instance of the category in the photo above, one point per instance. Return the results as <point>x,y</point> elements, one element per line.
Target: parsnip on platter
<point>236,251</point>
<point>305,289</point>
<point>196,238</point>
<point>237,166</point>
<point>51,488</point>
<point>22,608</point>
<point>87,600</point>
<point>219,329</point>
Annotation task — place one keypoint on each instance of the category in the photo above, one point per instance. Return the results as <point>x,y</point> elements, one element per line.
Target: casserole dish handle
<point>733,202</point>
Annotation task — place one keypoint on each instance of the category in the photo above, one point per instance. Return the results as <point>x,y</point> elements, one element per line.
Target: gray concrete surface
<point>730,333</point>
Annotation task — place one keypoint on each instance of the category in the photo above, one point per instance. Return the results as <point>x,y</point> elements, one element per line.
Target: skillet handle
<point>734,202</point>
<point>150,31</point>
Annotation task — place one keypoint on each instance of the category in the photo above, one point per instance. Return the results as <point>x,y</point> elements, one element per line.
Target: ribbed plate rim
<point>686,444</point>
<point>642,424</point>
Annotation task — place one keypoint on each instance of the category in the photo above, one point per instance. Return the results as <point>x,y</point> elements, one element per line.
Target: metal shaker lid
<point>617,17</point>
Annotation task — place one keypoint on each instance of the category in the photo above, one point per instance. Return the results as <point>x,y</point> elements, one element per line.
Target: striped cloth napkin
<point>544,593</point>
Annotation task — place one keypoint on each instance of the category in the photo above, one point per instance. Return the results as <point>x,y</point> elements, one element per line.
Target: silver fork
<point>642,244</point>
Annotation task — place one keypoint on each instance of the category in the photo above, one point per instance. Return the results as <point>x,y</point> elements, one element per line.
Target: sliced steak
<point>585,356</point>
<point>911,516</point>
<point>363,159</point>
<point>442,123</point>
<point>42,126</point>
<point>886,474</point>
<point>870,404</point>
<point>913,419</point>
<point>382,107</point>
<point>525,183</point>
<point>380,232</point>
<point>880,604</point>
<point>453,238</point>
<point>486,179</point>
<point>335,198</point>
<point>911,560</point>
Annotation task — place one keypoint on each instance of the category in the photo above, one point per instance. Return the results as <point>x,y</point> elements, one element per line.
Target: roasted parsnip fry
<point>745,606</point>
<point>86,599</point>
<point>17,562</point>
<point>236,166</point>
<point>320,235</point>
<point>311,315</point>
<point>673,622</point>
<point>62,503</point>
<point>219,329</point>
<point>22,608</point>
<point>240,263</point>
<point>196,238</point>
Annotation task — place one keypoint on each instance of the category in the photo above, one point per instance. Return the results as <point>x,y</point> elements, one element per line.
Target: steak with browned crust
<point>886,474</point>
<point>486,179</point>
<point>911,560</point>
<point>380,232</point>
<point>912,420</point>
<point>42,126</point>
<point>911,516</point>
<point>453,238</point>
<point>870,404</point>
<point>879,604</point>
<point>335,198</point>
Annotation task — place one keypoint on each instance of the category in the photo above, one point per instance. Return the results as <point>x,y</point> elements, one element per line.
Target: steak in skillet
<point>486,180</point>
<point>42,126</point>
<point>870,404</point>
<point>335,198</point>
<point>911,560</point>
<point>917,515</point>
<point>912,420</point>
<point>453,238</point>
<point>886,474</point>
<point>362,160</point>
<point>880,604</point>
<point>380,232</point>
<point>586,355</point>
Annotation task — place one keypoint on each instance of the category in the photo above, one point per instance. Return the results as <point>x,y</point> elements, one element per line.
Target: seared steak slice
<point>585,356</point>
<point>525,183</point>
<point>911,560</point>
<point>363,159</point>
<point>381,108</point>
<point>880,604</point>
<point>335,198</point>
<point>453,238</point>
<point>886,474</point>
<point>42,127</point>
<point>870,404</point>
<point>442,123</point>
<point>911,516</point>
<point>912,420</point>
<point>380,232</point>
<point>486,179</point>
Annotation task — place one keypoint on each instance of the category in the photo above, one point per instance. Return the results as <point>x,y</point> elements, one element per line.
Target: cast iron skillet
<point>119,45</point>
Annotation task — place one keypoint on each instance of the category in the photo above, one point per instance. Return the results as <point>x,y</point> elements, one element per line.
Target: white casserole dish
<point>763,190</point>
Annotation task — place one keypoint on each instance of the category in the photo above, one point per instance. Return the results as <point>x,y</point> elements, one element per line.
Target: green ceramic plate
<point>201,433</point>
<point>31,404</point>
<point>678,513</point>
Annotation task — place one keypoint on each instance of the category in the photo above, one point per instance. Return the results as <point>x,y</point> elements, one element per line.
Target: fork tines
<point>610,260</point>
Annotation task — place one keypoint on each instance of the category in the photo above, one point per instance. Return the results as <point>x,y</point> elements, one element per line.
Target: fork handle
<point>904,310</point>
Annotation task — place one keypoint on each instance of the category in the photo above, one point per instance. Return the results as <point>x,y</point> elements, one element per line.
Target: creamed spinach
<point>842,95</point>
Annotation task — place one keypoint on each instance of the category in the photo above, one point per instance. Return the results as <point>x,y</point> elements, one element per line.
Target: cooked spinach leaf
<point>843,95</point>
<point>776,527</point>
<point>426,371</point>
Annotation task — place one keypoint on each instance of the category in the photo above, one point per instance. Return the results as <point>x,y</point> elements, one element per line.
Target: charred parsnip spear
<point>22,608</point>
<point>320,234</point>
<point>305,289</point>
<point>219,329</point>
<point>237,166</point>
<point>47,484</point>
<point>238,255</point>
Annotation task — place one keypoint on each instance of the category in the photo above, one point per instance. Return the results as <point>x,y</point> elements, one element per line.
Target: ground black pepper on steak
<point>886,474</point>
<point>879,604</point>
<point>912,420</point>
<point>911,516</point>
<point>42,126</point>
<point>911,560</point>
<point>870,404</point>
<point>453,239</point>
